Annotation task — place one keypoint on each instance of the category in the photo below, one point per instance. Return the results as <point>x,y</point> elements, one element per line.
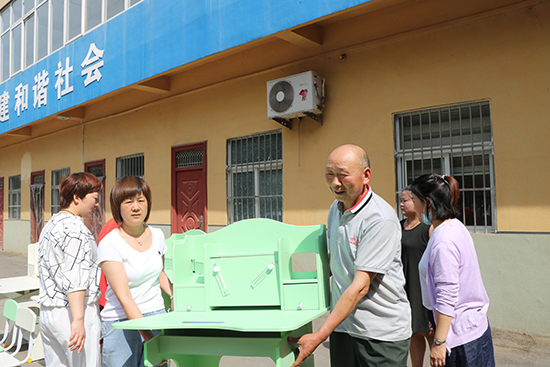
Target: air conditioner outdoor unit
<point>295,96</point>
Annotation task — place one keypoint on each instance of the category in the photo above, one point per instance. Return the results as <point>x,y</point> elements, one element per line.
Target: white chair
<point>25,327</point>
<point>23,284</point>
<point>30,299</point>
<point>32,260</point>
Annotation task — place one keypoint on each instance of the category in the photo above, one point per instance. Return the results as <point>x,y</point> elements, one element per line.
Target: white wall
<point>17,235</point>
<point>516,272</point>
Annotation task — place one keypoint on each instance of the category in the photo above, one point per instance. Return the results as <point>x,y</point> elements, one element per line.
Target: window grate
<point>454,140</point>
<point>255,177</point>
<point>14,197</point>
<point>130,165</point>
<point>189,158</point>
<point>37,179</point>
<point>96,170</point>
<point>57,176</point>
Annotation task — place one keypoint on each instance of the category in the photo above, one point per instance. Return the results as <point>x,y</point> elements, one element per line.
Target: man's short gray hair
<point>364,160</point>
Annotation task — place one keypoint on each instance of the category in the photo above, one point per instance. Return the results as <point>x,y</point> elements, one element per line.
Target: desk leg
<point>152,352</point>
<point>290,357</point>
<point>284,354</point>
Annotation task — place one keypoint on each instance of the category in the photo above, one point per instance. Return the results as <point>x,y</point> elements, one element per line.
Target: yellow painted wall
<point>48,153</point>
<point>503,59</point>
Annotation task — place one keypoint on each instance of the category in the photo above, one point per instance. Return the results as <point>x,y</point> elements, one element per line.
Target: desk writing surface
<point>18,284</point>
<point>237,320</point>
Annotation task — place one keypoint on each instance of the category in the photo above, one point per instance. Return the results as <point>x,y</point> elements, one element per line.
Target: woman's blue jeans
<point>123,348</point>
<point>477,353</point>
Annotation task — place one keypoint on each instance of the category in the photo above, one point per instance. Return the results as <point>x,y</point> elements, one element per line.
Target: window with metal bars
<point>31,30</point>
<point>130,165</point>
<point>454,140</point>
<point>14,197</point>
<point>57,175</point>
<point>189,158</point>
<point>255,177</point>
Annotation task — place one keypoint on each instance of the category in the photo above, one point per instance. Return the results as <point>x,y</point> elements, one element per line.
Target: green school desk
<point>240,291</point>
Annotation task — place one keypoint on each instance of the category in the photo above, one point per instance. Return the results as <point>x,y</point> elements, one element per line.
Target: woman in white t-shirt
<point>132,258</point>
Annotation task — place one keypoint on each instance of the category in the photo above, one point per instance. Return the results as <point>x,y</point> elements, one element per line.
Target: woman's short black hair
<point>441,192</point>
<point>129,187</point>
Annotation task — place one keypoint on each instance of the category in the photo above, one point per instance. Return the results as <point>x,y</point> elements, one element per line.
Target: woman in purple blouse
<point>451,280</point>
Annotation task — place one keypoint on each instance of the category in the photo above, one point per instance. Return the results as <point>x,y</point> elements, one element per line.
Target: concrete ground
<point>511,349</point>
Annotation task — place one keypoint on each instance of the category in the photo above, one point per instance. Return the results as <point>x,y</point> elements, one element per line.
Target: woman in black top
<point>414,238</point>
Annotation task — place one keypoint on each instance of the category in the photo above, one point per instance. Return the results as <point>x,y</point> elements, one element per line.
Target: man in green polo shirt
<point>370,320</point>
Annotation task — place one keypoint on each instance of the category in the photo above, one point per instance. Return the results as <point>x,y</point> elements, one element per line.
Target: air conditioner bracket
<point>318,118</point>
<point>284,122</point>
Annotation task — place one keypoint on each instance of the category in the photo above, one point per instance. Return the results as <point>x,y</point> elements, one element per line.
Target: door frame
<point>32,217</point>
<point>173,178</point>
<point>103,191</point>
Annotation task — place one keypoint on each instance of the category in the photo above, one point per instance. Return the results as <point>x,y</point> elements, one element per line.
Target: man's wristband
<point>439,342</point>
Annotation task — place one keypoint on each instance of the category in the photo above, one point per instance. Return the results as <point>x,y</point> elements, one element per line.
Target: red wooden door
<point>1,213</point>
<point>37,205</point>
<point>190,204</point>
<point>189,188</point>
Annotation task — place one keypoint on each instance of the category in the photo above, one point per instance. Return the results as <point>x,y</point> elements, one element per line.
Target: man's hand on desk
<point>307,344</point>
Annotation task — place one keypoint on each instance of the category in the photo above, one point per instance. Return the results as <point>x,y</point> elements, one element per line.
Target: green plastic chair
<point>10,313</point>
<point>26,327</point>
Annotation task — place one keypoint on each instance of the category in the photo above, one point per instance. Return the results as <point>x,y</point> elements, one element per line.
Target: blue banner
<point>150,38</point>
